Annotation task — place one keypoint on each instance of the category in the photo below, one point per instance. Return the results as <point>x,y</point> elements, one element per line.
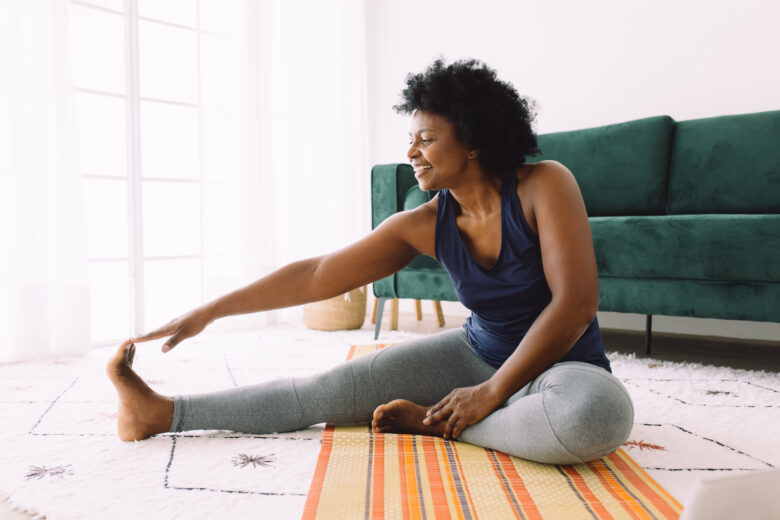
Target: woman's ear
<point>472,154</point>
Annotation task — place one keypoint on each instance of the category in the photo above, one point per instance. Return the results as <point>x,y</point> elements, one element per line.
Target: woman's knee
<point>592,414</point>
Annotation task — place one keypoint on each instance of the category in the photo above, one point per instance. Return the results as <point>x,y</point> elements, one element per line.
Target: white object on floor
<point>753,496</point>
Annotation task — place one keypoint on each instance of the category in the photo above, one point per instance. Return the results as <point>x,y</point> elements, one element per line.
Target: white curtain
<point>312,128</point>
<point>295,155</point>
<point>282,154</point>
<point>44,293</point>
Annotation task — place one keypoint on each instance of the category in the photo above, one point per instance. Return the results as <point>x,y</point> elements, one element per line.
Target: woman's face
<point>436,153</point>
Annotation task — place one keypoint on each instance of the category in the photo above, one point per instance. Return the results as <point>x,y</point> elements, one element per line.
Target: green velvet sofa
<point>685,216</point>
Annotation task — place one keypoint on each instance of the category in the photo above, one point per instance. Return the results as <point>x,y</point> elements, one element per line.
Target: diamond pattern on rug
<point>716,393</point>
<point>674,448</point>
<point>225,465</point>
<point>69,418</point>
<point>20,417</point>
<point>32,389</point>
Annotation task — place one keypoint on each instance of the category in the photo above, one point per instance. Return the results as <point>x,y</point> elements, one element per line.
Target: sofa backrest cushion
<point>621,169</point>
<point>726,164</point>
<point>415,197</point>
<point>389,186</point>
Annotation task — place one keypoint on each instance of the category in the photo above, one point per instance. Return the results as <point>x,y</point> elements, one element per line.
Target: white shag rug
<point>60,457</point>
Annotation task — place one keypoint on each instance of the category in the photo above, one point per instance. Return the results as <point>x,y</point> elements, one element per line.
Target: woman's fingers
<point>458,428</point>
<point>452,426</point>
<point>435,408</point>
<point>173,341</point>
<point>155,334</point>
<point>438,412</point>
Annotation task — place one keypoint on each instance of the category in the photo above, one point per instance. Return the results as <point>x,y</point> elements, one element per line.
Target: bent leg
<point>573,412</point>
<point>421,370</point>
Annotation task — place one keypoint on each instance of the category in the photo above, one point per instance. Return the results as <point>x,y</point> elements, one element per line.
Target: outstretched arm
<point>387,249</point>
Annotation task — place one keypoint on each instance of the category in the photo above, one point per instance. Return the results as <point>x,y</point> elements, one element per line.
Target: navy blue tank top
<point>505,299</point>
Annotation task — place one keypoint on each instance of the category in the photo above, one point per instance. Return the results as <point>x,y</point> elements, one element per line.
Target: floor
<point>745,354</point>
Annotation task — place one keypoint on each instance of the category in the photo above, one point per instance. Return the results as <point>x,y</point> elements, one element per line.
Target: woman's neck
<point>478,195</point>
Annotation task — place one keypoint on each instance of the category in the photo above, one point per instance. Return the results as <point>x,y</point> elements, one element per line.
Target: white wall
<point>587,63</point>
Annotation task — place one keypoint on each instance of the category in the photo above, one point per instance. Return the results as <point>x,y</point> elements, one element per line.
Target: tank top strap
<point>442,209</point>
<point>509,192</point>
<point>515,208</point>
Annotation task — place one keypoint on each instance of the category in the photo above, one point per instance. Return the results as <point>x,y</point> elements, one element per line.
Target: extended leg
<point>421,370</point>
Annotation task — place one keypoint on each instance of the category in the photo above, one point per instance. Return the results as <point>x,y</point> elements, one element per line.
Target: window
<point>139,102</point>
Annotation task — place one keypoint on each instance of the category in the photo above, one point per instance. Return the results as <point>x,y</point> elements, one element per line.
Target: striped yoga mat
<point>361,474</point>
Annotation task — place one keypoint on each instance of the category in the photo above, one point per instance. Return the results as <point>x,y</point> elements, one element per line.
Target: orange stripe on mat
<point>402,477</point>
<point>471,512</point>
<point>441,508</point>
<point>527,503</point>
<point>656,500</point>
<point>616,490</point>
<point>450,480</point>
<point>313,499</point>
<point>642,473</point>
<point>413,487</point>
<point>378,478</point>
<point>585,492</point>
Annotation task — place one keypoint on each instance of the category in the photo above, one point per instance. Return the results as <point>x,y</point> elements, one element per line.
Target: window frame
<point>136,258</point>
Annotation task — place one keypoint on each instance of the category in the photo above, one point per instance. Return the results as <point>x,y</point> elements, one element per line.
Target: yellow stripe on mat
<point>366,475</point>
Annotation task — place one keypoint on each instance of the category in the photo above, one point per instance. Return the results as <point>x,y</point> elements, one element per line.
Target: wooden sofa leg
<point>648,334</point>
<point>379,306</point>
<point>418,309</point>
<point>439,314</point>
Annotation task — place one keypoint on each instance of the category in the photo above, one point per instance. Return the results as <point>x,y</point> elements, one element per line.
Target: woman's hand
<point>179,329</point>
<point>462,407</point>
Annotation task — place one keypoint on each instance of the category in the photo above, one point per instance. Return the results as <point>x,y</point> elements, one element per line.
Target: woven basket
<point>347,311</point>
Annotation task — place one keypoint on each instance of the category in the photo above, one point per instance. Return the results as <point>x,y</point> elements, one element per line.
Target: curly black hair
<point>488,114</point>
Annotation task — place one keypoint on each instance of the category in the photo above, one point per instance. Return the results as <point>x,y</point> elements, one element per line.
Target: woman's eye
<point>426,141</point>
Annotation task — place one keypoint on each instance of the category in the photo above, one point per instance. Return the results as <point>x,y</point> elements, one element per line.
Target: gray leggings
<point>573,412</point>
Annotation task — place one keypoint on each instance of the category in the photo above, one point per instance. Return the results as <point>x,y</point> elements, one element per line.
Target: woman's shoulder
<point>417,226</point>
<point>534,179</point>
<point>542,171</point>
<point>544,183</point>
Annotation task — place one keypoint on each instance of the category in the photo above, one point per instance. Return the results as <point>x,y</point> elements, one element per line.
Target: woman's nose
<point>412,151</point>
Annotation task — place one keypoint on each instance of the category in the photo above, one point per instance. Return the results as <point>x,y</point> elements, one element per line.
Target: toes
<point>123,352</point>
<point>130,355</point>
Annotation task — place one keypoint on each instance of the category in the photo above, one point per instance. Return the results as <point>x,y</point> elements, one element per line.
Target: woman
<point>527,373</point>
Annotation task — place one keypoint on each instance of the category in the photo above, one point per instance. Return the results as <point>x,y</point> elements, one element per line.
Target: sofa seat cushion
<point>425,284</point>
<point>689,247</point>
<point>621,168</point>
<point>754,301</point>
<point>423,279</point>
<point>726,164</point>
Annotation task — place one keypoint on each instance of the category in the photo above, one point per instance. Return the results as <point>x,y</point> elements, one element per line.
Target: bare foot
<point>402,416</point>
<point>142,411</point>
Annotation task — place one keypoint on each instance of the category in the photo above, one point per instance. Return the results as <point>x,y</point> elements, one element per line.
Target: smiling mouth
<point>421,169</point>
